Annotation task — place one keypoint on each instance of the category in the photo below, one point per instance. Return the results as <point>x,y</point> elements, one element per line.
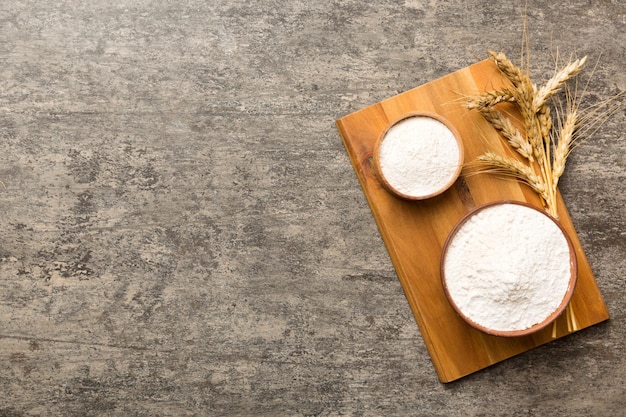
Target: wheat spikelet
<point>545,122</point>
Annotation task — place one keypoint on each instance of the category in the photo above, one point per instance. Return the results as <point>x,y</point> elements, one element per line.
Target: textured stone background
<point>182,233</point>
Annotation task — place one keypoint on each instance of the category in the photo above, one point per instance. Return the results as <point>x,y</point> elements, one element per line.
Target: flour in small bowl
<point>419,156</point>
<point>507,267</point>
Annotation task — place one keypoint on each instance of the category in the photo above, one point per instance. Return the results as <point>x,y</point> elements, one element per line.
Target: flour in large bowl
<point>508,267</point>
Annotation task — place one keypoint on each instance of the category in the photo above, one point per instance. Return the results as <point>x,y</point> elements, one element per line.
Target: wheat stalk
<point>544,150</point>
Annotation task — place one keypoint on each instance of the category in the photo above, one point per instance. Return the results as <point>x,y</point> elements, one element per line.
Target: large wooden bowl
<point>551,316</point>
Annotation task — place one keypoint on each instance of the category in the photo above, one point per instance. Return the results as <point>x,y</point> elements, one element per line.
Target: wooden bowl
<point>433,189</point>
<point>462,311</point>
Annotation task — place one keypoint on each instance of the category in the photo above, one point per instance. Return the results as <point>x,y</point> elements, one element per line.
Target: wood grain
<point>414,231</point>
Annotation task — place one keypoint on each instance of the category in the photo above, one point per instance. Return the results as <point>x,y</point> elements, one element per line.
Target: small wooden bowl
<point>444,186</point>
<point>520,332</point>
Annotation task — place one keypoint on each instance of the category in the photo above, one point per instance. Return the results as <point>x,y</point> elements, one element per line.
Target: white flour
<point>508,267</point>
<point>418,156</point>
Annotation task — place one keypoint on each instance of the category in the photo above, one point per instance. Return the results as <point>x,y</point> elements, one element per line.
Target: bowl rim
<point>537,326</point>
<point>408,115</point>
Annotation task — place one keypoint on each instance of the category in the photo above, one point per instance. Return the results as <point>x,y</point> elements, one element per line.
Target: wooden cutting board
<point>414,231</point>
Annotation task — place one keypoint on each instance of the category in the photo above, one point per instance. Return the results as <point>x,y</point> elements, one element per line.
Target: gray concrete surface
<point>182,233</point>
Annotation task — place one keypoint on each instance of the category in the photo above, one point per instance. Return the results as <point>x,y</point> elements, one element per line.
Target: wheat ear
<point>511,167</point>
<point>490,99</point>
<point>564,145</point>
<point>510,132</point>
<point>554,84</point>
<point>508,68</point>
